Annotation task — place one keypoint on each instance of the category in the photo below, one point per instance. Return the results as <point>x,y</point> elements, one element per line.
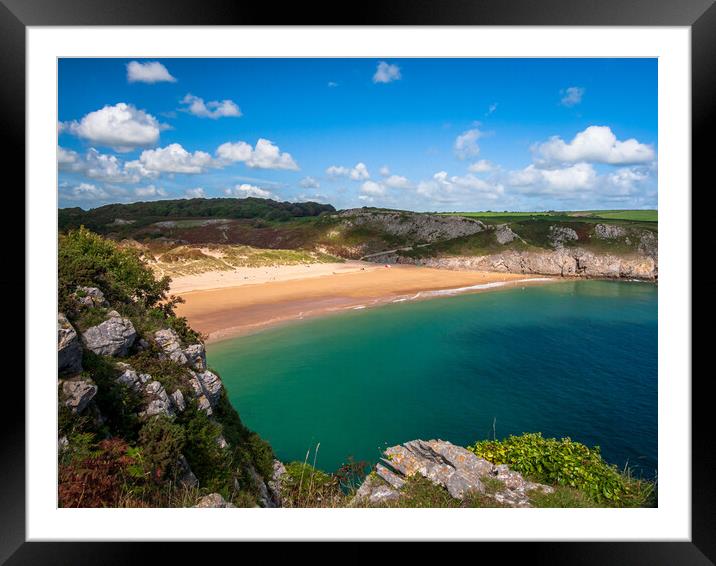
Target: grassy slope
<point>321,237</point>
<point>192,260</point>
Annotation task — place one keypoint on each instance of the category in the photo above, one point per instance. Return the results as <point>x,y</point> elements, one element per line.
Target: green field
<point>630,215</point>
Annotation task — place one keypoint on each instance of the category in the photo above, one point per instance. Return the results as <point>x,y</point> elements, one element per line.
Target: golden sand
<point>252,303</point>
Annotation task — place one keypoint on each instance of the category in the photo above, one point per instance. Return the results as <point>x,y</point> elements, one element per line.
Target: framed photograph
<point>424,275</point>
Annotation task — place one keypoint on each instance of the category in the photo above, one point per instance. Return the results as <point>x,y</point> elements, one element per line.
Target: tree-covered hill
<point>142,213</point>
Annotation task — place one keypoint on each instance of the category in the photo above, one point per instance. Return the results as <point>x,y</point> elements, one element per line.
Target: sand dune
<point>222,306</point>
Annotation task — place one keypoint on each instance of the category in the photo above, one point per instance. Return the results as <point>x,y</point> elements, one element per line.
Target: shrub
<point>566,463</point>
<point>162,442</point>
<point>85,258</point>
<point>210,463</point>
<point>117,403</point>
<point>305,486</point>
<point>97,480</point>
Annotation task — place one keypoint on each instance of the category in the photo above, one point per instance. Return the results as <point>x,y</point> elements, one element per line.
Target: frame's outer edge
<point>12,415</point>
<point>703,123</point>
<point>415,12</point>
<point>372,12</point>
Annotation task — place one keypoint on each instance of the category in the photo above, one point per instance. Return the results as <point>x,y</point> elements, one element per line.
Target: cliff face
<point>577,250</point>
<point>417,228</point>
<point>564,263</point>
<point>143,421</point>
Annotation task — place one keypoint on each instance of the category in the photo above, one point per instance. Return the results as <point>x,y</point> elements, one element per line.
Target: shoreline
<point>221,311</point>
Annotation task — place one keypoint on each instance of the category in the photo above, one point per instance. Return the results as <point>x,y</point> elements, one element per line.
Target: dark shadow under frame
<point>700,15</point>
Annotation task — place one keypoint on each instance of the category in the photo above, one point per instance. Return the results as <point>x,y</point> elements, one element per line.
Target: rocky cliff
<point>574,262</point>
<point>143,421</point>
<point>410,226</point>
<point>590,250</point>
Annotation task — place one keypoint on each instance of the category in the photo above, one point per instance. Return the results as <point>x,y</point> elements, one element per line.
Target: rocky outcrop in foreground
<point>116,339</point>
<point>456,469</point>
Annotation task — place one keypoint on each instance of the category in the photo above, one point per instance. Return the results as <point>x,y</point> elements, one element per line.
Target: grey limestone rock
<point>90,297</point>
<point>214,500</point>
<point>196,356</point>
<point>211,385</point>
<point>558,235</point>
<point>609,231</point>
<point>113,337</point>
<point>414,226</point>
<point>77,393</point>
<point>453,467</point>
<point>504,234</point>
<point>69,348</point>
<point>178,401</point>
<point>276,481</point>
<point>169,342</point>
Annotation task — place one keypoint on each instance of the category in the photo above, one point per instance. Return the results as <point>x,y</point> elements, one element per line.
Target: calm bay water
<point>575,359</point>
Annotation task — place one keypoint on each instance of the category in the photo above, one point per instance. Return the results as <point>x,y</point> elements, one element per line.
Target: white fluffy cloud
<point>173,159</point>
<point>309,183</point>
<point>397,182</point>
<point>246,190</point>
<point>214,109</point>
<point>596,144</point>
<point>198,192</point>
<point>572,96</point>
<point>626,180</point>
<point>373,189</point>
<point>386,73</point>
<point>102,167</point>
<point>150,72</point>
<point>265,155</point>
<point>482,166</point>
<point>67,159</point>
<point>572,178</point>
<point>337,171</point>
<point>466,144</point>
<point>384,171</point>
<point>86,191</point>
<point>445,189</point>
<point>235,151</point>
<point>358,173</point>
<point>150,191</point>
<point>121,127</point>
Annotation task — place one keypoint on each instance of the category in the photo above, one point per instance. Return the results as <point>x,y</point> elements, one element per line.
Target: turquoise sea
<point>575,359</point>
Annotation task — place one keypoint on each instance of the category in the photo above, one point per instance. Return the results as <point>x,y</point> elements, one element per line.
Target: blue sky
<point>418,134</point>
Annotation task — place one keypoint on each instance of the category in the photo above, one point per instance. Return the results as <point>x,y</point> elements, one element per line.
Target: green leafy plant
<point>566,463</point>
<point>85,258</point>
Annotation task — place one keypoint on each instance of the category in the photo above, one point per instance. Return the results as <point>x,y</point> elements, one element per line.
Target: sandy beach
<point>252,275</point>
<point>221,305</point>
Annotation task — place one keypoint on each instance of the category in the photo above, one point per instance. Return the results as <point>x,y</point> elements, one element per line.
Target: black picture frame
<point>699,15</point>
